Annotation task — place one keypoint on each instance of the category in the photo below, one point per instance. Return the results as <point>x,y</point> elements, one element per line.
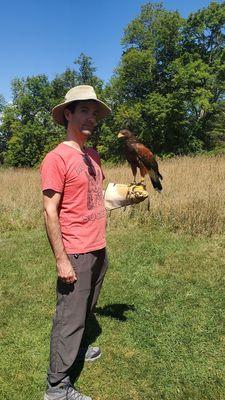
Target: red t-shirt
<point>82,212</point>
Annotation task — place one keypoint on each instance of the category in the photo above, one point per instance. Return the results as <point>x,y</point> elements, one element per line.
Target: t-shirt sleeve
<point>53,172</point>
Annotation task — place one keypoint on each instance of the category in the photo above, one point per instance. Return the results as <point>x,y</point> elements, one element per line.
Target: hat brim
<point>58,111</point>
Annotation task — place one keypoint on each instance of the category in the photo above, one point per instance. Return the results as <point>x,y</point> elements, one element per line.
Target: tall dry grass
<point>193,199</point>
<point>20,199</point>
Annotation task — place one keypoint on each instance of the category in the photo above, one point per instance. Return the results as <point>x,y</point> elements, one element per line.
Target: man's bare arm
<point>51,200</point>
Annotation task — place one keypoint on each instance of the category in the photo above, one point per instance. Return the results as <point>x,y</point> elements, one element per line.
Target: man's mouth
<point>87,130</point>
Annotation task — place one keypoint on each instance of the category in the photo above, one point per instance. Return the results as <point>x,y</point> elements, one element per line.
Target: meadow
<point>160,318</point>
<point>193,200</point>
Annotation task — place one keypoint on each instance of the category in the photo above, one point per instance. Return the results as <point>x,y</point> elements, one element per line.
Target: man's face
<point>83,120</point>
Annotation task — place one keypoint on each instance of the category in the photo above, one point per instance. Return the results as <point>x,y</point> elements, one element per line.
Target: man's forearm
<point>63,265</point>
<point>54,235</point>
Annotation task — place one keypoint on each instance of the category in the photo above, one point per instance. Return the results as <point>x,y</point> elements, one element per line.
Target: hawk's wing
<point>146,157</point>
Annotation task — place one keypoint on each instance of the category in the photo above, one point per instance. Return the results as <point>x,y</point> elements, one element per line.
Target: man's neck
<point>76,141</point>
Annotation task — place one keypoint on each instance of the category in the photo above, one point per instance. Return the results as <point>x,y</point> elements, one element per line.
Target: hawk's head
<point>125,134</point>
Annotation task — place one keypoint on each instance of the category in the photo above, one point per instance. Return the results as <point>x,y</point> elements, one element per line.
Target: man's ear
<point>67,114</point>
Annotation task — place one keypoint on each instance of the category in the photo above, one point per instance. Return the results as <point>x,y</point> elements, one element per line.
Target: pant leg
<point>74,302</point>
<point>97,278</point>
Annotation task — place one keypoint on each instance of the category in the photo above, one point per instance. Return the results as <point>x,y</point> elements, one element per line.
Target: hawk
<point>139,156</point>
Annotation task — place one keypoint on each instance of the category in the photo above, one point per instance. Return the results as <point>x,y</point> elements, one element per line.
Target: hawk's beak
<point>120,135</point>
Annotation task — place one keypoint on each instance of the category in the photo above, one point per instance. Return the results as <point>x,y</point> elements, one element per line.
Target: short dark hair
<point>71,107</point>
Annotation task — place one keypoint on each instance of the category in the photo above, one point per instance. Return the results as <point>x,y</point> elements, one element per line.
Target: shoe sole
<point>46,397</point>
<point>93,359</point>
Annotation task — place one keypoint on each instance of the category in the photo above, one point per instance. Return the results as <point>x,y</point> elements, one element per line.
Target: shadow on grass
<point>115,311</point>
<point>93,330</point>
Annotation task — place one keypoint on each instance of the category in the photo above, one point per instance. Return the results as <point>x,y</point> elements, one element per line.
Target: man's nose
<point>92,119</point>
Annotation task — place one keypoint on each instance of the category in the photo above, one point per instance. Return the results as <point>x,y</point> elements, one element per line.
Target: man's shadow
<point>93,330</point>
<point>115,311</point>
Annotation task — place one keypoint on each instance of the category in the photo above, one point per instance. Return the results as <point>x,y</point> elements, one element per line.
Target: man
<point>75,219</point>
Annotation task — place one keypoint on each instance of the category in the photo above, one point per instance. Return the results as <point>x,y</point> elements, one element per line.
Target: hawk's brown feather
<point>139,156</point>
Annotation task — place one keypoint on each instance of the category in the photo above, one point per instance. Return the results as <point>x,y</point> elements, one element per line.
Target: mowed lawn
<point>160,320</point>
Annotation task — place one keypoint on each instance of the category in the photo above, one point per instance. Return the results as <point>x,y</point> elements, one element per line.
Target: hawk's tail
<point>155,179</point>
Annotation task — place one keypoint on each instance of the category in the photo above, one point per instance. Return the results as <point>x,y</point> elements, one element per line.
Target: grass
<point>160,318</point>
<point>193,200</point>
<point>161,314</point>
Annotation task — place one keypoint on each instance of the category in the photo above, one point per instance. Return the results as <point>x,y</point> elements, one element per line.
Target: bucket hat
<point>77,93</point>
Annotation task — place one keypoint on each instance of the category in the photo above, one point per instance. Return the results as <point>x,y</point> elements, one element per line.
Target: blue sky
<point>45,37</point>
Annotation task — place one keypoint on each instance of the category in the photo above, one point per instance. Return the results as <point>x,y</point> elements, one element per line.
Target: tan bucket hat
<point>81,92</point>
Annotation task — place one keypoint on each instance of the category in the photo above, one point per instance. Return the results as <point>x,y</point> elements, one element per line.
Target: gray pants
<point>74,304</point>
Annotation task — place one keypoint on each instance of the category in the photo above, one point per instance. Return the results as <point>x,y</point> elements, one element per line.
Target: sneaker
<point>63,391</point>
<point>90,354</point>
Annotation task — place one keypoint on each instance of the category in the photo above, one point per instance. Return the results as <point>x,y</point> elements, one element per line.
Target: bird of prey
<point>139,156</point>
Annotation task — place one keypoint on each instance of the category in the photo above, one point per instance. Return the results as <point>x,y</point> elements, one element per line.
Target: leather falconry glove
<point>120,195</point>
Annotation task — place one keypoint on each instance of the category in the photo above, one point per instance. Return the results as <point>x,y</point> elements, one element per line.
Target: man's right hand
<point>65,271</point>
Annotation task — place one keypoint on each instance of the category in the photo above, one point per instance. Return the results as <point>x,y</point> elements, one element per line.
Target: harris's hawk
<point>139,156</point>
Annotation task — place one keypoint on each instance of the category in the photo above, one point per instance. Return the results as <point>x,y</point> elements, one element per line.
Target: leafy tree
<point>2,103</point>
<point>170,81</point>
<point>31,95</point>
<point>86,73</point>
<point>86,69</point>
<point>216,129</point>
<point>157,32</point>
<point>62,83</point>
<point>135,75</point>
<point>25,121</point>
<point>169,88</point>
<point>27,130</point>
<point>3,139</point>
<point>8,123</point>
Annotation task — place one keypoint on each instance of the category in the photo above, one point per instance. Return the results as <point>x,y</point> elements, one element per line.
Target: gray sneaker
<point>90,354</point>
<point>63,391</point>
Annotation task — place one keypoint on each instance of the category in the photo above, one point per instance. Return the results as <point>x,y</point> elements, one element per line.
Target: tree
<point>86,73</point>
<point>169,88</point>
<point>26,123</point>
<point>31,95</point>
<point>3,139</point>
<point>170,80</point>
<point>216,129</point>
<point>27,130</point>
<point>9,121</point>
<point>2,103</point>
<point>62,83</point>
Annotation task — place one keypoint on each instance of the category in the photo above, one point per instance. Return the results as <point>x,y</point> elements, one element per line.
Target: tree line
<point>169,88</point>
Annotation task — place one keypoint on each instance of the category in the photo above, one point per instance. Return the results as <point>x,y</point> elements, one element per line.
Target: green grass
<point>161,313</point>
